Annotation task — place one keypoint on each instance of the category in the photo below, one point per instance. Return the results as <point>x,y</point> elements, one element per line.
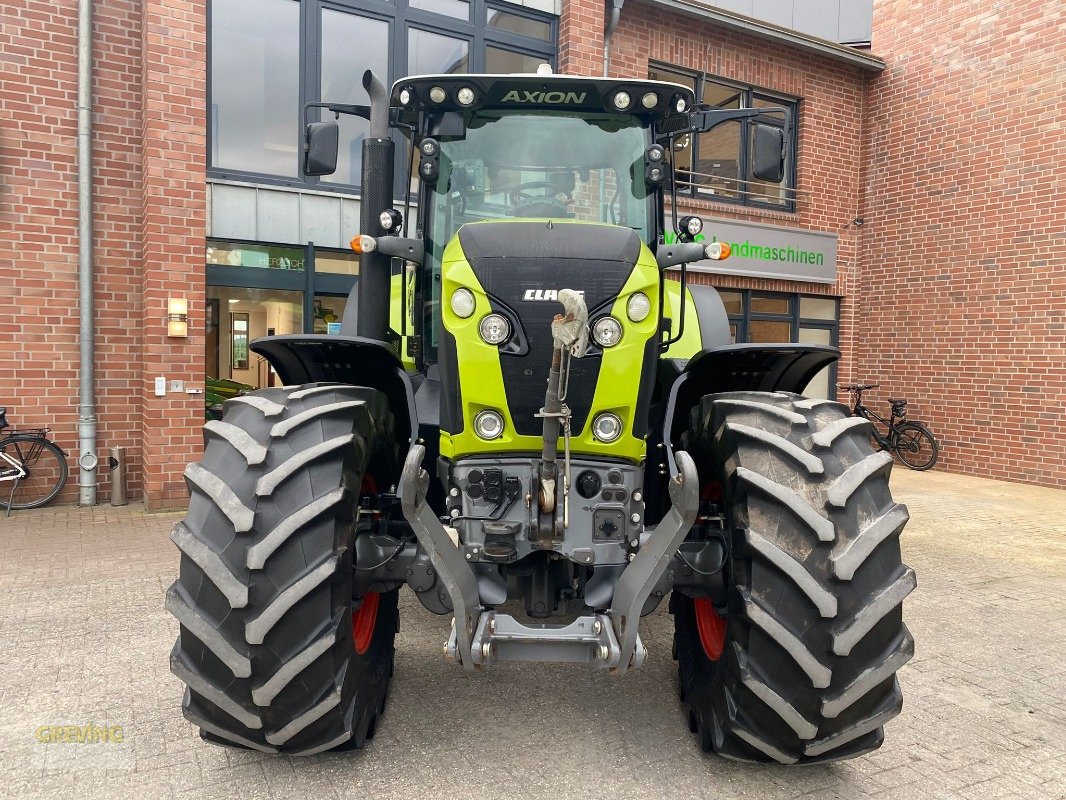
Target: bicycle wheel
<point>916,446</point>
<point>46,472</point>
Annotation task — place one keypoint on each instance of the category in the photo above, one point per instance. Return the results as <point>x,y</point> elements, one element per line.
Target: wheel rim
<point>46,472</point>
<point>915,448</point>
<point>711,628</point>
<point>363,622</point>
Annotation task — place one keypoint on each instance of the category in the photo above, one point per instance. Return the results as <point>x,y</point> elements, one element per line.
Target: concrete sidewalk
<point>84,639</point>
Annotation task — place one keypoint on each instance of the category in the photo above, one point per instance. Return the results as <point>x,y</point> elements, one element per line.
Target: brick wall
<point>964,282</point>
<point>829,146</point>
<point>149,227</point>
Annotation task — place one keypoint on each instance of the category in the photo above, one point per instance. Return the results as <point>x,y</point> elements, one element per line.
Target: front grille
<point>511,258</point>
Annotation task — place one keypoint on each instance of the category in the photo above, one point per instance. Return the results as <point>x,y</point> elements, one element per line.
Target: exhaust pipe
<point>375,274</point>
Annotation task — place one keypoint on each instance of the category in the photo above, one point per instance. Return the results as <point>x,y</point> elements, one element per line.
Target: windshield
<point>536,164</point>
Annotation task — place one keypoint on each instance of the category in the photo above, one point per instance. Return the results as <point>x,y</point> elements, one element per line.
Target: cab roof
<point>650,100</point>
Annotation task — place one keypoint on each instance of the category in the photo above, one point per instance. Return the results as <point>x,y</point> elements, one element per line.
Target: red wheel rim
<point>711,628</point>
<point>363,622</point>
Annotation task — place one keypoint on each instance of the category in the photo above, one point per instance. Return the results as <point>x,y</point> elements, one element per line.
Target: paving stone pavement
<point>84,639</point>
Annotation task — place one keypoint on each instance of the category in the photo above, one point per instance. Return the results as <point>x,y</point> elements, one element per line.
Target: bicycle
<point>35,467</point>
<point>915,445</point>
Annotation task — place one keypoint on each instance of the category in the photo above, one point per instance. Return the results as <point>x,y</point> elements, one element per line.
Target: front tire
<point>270,646</point>
<point>915,446</point>
<point>812,634</point>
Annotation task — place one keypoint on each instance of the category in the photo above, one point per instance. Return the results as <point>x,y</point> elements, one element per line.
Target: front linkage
<point>610,641</point>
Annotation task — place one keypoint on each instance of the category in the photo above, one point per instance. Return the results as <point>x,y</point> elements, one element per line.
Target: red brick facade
<point>953,292</point>
<point>149,225</point>
<point>963,287</point>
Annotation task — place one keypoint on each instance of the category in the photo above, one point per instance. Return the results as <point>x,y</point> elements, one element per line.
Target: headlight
<point>437,94</point>
<point>638,307</point>
<point>606,427</point>
<point>650,100</point>
<point>463,303</point>
<point>622,100</point>
<point>607,332</point>
<point>488,425</point>
<point>405,96</point>
<point>465,96</point>
<point>495,329</point>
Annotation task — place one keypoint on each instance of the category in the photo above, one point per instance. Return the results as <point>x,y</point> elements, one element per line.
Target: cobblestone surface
<point>84,639</point>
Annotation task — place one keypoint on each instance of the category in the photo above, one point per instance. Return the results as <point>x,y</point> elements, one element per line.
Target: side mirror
<point>320,148</point>
<point>768,156</point>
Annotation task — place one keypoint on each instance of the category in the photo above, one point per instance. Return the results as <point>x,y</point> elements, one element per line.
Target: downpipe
<point>614,14</point>
<point>87,458</point>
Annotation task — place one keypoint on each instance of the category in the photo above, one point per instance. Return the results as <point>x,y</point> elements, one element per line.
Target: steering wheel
<point>530,205</point>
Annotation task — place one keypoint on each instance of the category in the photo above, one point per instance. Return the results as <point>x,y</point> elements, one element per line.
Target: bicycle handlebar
<point>858,387</point>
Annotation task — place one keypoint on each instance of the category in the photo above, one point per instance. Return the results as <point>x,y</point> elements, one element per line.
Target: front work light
<point>463,303</point>
<point>390,219</point>
<point>690,227</point>
<point>606,427</point>
<point>495,329</point>
<point>638,307</point>
<point>488,424</point>
<point>465,96</point>
<point>622,100</point>
<point>607,332</point>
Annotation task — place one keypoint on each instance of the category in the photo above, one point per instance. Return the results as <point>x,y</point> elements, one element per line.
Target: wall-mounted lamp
<point>177,317</point>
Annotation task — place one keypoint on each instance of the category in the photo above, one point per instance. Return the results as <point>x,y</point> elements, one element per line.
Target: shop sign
<point>769,251</point>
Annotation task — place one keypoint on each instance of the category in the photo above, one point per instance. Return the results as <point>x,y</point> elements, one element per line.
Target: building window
<point>717,165</point>
<point>772,317</point>
<point>254,85</point>
<point>282,289</point>
<point>267,58</point>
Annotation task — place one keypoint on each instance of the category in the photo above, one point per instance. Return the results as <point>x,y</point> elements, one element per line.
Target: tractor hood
<point>515,269</point>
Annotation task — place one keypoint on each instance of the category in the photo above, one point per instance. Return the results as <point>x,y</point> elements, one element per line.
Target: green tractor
<point>526,422</point>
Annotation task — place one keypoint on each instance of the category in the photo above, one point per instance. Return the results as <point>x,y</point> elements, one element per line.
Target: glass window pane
<point>818,308</point>
<point>764,331</point>
<point>769,304</point>
<point>268,312</point>
<point>342,67</point>
<point>734,303</point>
<point>255,74</point>
<point>505,62</point>
<point>433,54</point>
<point>230,254</point>
<point>517,24</point>
<point>720,95</point>
<point>819,385</point>
<point>718,168</point>
<point>451,8</point>
<point>344,263</point>
<point>328,308</point>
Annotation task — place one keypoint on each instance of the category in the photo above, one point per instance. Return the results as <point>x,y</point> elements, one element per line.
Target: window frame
<point>748,93</point>
<point>308,281</point>
<point>743,320</point>
<point>400,17</point>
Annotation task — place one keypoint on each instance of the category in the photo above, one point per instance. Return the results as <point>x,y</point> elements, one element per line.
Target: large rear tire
<point>812,635</point>
<point>272,647</point>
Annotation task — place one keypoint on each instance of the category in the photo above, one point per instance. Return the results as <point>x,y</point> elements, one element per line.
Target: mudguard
<point>310,358</point>
<point>739,367</point>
